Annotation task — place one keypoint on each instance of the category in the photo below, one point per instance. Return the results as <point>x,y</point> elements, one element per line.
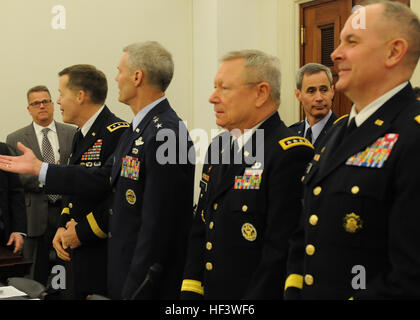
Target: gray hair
<point>404,22</point>
<point>310,69</point>
<point>152,59</point>
<point>260,67</point>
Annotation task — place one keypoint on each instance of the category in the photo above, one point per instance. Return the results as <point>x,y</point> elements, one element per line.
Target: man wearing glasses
<point>51,141</point>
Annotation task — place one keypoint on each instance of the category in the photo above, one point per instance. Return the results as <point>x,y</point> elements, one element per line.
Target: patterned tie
<point>48,156</point>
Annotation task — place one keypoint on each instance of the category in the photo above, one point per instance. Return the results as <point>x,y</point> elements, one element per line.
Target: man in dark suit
<point>315,92</point>
<point>359,236</point>
<point>149,177</point>
<point>249,204</point>
<point>83,90</point>
<point>42,210</point>
<point>12,208</point>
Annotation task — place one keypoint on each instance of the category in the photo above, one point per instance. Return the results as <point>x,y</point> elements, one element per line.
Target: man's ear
<point>263,93</point>
<point>298,94</point>
<point>138,77</point>
<point>397,49</point>
<point>81,96</point>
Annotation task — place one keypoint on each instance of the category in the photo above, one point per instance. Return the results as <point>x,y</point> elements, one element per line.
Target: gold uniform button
<point>309,280</point>
<point>355,190</point>
<point>70,205</point>
<point>317,190</point>
<point>313,220</point>
<point>211,225</point>
<point>244,208</point>
<point>310,250</point>
<point>209,266</point>
<point>209,246</point>
<point>215,206</point>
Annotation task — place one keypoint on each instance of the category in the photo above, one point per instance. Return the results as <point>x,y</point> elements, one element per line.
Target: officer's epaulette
<point>295,141</point>
<point>417,118</point>
<point>338,120</point>
<point>117,125</point>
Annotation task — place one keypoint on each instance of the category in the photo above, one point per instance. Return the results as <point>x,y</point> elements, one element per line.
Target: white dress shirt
<point>52,136</point>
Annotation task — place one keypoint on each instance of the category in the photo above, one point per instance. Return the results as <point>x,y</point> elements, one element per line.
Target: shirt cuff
<point>43,173</point>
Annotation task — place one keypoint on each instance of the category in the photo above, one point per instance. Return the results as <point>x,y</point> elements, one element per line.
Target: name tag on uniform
<point>130,168</point>
<point>250,180</point>
<point>375,155</point>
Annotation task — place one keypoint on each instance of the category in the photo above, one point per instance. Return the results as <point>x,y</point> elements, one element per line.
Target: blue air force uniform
<point>150,180</point>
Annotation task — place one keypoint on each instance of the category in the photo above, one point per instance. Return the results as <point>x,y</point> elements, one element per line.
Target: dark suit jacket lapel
<point>364,135</point>
<point>126,141</point>
<point>300,129</point>
<point>61,134</point>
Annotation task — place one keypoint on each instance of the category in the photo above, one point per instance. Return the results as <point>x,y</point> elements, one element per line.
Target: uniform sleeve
<point>284,209</point>
<point>67,180</point>
<point>192,284</point>
<point>94,225</point>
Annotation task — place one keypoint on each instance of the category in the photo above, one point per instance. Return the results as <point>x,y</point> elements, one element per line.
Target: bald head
<point>394,20</point>
<point>375,57</point>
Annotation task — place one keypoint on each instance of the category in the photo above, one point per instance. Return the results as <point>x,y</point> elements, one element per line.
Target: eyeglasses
<point>37,104</point>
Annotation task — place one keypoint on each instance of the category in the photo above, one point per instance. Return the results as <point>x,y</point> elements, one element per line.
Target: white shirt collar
<point>371,108</point>
<point>38,128</point>
<point>88,124</point>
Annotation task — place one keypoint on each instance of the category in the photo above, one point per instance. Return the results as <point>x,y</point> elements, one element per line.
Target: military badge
<point>134,151</point>
<point>117,125</point>
<point>256,165</point>
<point>139,142</point>
<point>375,155</point>
<point>130,168</point>
<point>250,180</point>
<point>94,152</point>
<point>352,222</point>
<point>249,232</point>
<point>130,196</point>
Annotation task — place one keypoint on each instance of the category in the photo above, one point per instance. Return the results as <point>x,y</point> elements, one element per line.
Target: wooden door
<point>321,22</point>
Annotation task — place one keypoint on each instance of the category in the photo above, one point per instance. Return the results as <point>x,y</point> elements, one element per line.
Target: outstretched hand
<point>27,163</point>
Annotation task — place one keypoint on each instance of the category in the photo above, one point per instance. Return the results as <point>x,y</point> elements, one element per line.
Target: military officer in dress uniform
<point>149,177</point>
<point>83,90</point>
<point>250,205</point>
<point>359,237</point>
